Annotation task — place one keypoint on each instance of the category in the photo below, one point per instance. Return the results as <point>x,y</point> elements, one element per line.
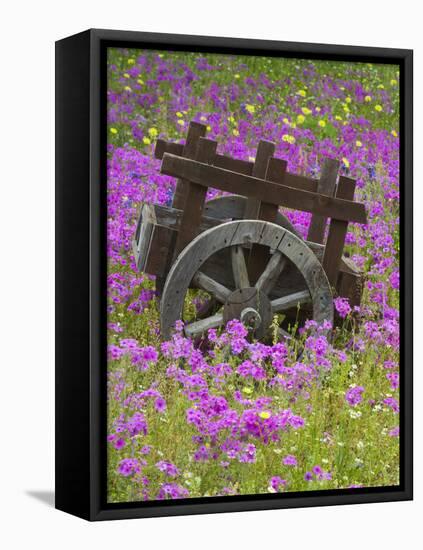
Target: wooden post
<point>258,257</point>
<point>195,198</point>
<point>337,233</point>
<point>195,131</point>
<point>326,186</point>
<point>265,150</point>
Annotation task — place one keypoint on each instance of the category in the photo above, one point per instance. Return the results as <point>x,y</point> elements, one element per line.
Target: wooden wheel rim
<point>235,233</point>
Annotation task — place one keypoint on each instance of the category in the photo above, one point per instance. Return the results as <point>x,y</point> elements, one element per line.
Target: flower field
<point>236,417</point>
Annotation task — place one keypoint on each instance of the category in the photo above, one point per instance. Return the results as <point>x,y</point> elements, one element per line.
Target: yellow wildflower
<point>181,122</point>
<point>140,82</point>
<point>231,118</point>
<point>236,75</point>
<point>302,93</point>
<point>265,415</point>
<point>337,117</point>
<point>321,123</point>
<point>113,131</point>
<point>286,121</point>
<point>126,75</point>
<point>179,114</point>
<point>393,82</point>
<point>394,133</point>
<point>368,98</point>
<point>250,108</point>
<point>346,162</point>
<point>208,128</point>
<point>131,61</point>
<point>153,132</point>
<point>358,143</point>
<point>246,389</point>
<point>288,138</point>
<point>300,119</point>
<point>306,111</point>
<point>235,132</point>
<point>128,89</point>
<point>318,109</point>
<point>146,140</point>
<point>378,108</point>
<point>380,87</point>
<point>348,99</point>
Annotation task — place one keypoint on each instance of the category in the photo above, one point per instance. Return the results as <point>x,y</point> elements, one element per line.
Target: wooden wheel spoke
<point>284,334</point>
<point>270,275</point>
<point>199,327</point>
<point>292,300</point>
<point>239,267</point>
<point>217,291</point>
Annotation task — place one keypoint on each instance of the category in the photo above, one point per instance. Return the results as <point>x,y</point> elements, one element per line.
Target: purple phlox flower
<point>160,404</point>
<point>277,484</point>
<point>128,467</point>
<point>342,306</point>
<point>289,460</point>
<point>353,396</point>
<point>168,468</point>
<point>172,491</point>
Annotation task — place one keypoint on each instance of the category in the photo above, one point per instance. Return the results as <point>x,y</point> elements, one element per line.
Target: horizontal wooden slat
<point>211,176</point>
<point>276,173</point>
<point>242,166</point>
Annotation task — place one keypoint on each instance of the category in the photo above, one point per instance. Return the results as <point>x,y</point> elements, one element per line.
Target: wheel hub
<point>252,307</point>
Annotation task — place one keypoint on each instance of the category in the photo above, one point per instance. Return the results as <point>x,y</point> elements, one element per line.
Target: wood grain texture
<point>211,176</point>
<point>265,150</point>
<point>195,131</point>
<point>204,282</point>
<point>195,198</point>
<point>270,275</point>
<point>239,267</point>
<point>239,165</point>
<point>337,233</point>
<point>326,186</point>
<point>291,300</point>
<point>203,325</point>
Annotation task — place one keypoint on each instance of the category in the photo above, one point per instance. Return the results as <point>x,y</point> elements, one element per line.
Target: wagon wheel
<point>251,304</point>
<point>232,207</point>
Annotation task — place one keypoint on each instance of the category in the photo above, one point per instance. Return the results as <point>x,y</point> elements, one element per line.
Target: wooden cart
<point>240,248</point>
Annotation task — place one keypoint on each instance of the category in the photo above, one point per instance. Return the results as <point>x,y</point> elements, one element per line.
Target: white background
<point>27,36</point>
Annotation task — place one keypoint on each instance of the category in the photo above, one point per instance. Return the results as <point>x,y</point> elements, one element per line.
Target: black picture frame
<point>81,274</point>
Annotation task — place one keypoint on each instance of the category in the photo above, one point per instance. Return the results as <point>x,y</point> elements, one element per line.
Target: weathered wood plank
<point>203,325</point>
<point>276,172</point>
<point>265,150</point>
<point>259,256</point>
<point>163,147</point>
<point>337,233</point>
<point>350,286</point>
<point>195,198</point>
<point>239,267</point>
<point>204,282</point>
<point>195,131</point>
<point>239,165</point>
<point>270,275</point>
<point>326,186</point>
<point>292,300</point>
<point>211,176</point>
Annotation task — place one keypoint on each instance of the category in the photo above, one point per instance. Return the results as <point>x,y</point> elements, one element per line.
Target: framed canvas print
<point>234,283</point>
